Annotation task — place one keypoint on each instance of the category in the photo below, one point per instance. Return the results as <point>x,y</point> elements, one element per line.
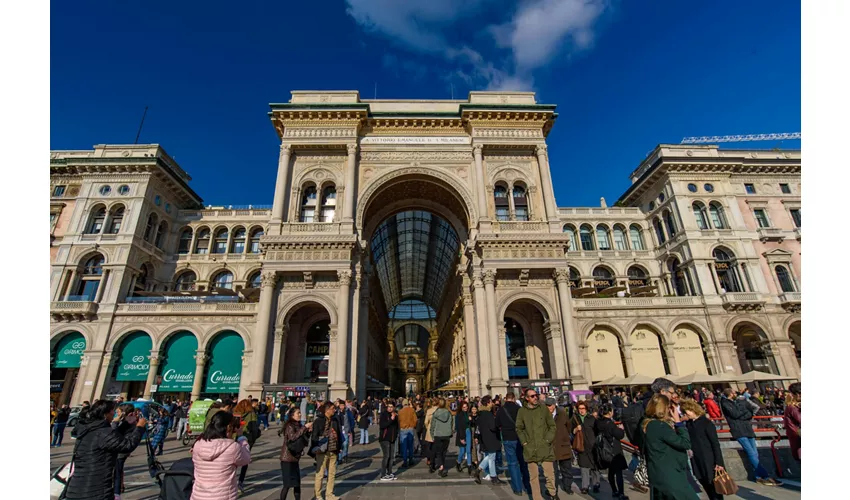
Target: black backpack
<point>604,450</point>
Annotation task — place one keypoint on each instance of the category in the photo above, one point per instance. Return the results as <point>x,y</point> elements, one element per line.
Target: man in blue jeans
<point>517,468</point>
<point>59,424</point>
<point>739,413</point>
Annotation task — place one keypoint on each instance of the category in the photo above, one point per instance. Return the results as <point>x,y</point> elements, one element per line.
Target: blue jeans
<point>488,464</point>
<point>465,450</point>
<point>406,444</point>
<point>364,436</point>
<point>343,452</point>
<point>517,467</point>
<point>499,462</point>
<point>263,420</point>
<point>58,432</point>
<point>749,446</point>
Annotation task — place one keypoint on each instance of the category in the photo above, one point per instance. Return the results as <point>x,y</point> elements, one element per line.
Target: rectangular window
<point>59,191</point>
<point>521,214</point>
<point>795,215</point>
<point>53,220</point>
<point>307,214</point>
<point>328,214</point>
<point>761,217</point>
<point>238,246</point>
<point>620,240</point>
<point>502,213</point>
<point>203,246</point>
<point>785,188</point>
<point>750,188</point>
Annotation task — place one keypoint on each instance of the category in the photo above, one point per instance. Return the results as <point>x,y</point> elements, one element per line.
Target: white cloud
<point>539,29</point>
<point>536,33</point>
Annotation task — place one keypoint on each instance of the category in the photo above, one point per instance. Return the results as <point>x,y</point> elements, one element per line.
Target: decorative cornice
<point>411,156</point>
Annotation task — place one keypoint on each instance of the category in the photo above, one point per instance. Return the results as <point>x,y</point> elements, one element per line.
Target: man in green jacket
<point>535,428</point>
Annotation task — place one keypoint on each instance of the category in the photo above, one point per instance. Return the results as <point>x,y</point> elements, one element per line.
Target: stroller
<point>176,483</point>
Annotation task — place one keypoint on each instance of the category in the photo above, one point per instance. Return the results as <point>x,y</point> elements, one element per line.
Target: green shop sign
<point>225,369</point>
<point>133,364</point>
<point>178,370</point>
<point>69,351</point>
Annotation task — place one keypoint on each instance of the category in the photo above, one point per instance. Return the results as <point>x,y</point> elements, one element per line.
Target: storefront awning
<point>134,358</point>
<point>178,370</point>
<point>225,368</point>
<point>69,351</point>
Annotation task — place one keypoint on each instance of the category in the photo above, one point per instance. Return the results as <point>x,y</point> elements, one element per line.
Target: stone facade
<point>678,277</point>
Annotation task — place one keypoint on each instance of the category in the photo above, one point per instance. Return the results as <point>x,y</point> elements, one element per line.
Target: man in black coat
<point>739,414</point>
<point>506,421</point>
<point>489,441</point>
<point>96,452</point>
<point>388,435</point>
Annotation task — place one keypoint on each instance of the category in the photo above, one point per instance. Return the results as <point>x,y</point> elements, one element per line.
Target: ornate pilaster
<point>152,373</point>
<point>498,362</point>
<point>481,331</point>
<point>350,188</point>
<point>546,184</point>
<point>268,282</point>
<point>562,280</point>
<point>481,183</point>
<point>278,352</point>
<point>282,183</point>
<point>339,387</point>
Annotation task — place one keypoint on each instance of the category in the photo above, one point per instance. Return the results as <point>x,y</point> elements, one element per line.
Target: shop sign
<point>178,371</point>
<point>69,351</point>
<point>133,365</point>
<point>721,265</point>
<point>602,283</point>
<point>56,385</point>
<point>225,370</point>
<point>318,349</point>
<point>637,282</point>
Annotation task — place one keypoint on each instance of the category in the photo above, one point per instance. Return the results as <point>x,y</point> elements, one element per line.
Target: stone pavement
<point>358,479</point>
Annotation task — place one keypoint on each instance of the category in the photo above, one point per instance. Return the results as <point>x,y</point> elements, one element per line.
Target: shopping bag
<point>723,483</point>
<point>59,479</point>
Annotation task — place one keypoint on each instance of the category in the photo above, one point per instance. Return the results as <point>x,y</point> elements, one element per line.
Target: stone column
<point>278,353</point>
<point>198,383</point>
<point>481,181</point>
<point>627,355</point>
<point>481,328</point>
<point>531,356</point>
<point>100,385</point>
<point>728,356</point>
<point>538,338</point>
<point>355,328</point>
<point>261,332</point>
<point>282,183</point>
<point>497,366</point>
<point>546,181</point>
<point>154,369</point>
<point>339,387</point>
<point>362,345</point>
<point>71,283</point>
<point>562,278</point>
<point>350,188</point>
<point>671,359</point>
<point>472,366</point>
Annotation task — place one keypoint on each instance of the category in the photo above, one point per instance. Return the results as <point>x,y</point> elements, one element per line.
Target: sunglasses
<point>532,395</point>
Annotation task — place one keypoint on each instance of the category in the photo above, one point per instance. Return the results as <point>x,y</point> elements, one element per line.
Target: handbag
<point>641,474</point>
<point>724,484</point>
<point>578,442</point>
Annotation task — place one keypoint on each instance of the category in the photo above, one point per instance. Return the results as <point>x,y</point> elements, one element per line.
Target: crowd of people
<point>527,437</point>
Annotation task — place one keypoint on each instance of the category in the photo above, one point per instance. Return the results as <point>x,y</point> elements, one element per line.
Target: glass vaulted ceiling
<point>414,252</point>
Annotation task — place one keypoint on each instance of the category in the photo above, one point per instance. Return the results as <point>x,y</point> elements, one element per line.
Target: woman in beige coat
<point>428,446</point>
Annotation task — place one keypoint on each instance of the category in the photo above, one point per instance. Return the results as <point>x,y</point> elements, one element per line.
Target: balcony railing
<point>181,299</point>
<point>771,234</point>
<point>790,301</point>
<point>747,301</point>
<point>514,226</point>
<point>76,308</point>
<point>630,302</point>
<point>194,307</point>
<point>314,227</point>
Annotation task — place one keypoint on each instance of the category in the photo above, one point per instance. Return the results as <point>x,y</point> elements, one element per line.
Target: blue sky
<point>626,75</point>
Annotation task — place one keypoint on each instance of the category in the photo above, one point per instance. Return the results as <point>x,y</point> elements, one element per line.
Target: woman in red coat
<point>711,406</point>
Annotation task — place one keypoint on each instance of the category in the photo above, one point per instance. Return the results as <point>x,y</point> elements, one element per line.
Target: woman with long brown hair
<point>666,444</point>
<point>791,419</point>
<point>295,441</point>
<point>429,439</point>
<point>707,456</point>
<point>248,427</point>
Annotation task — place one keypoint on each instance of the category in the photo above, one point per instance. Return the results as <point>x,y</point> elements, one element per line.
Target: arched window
<point>141,284</point>
<point>586,233</point>
<point>186,281</point>
<point>727,271</point>
<point>620,241</point>
<point>255,280</point>
<point>602,237</point>
<point>90,279</point>
<point>520,203</point>
<point>255,240</point>
<point>636,234</point>
<point>784,277</point>
<point>161,231</point>
<point>700,216</point>
<point>238,245</point>
<point>637,276</point>
<point>575,278</point>
<point>669,223</point>
<point>116,217</point>
<point>308,204</point>
<point>223,279</point>
<point>659,231</point>
<point>185,242</point>
<point>97,220</point>
<point>678,281</point>
<point>571,231</point>
<point>328,203</point>
<point>202,245</point>
<point>220,243</point>
<point>718,218</point>
<point>500,197</point>
<point>150,228</point>
<point>602,278</point>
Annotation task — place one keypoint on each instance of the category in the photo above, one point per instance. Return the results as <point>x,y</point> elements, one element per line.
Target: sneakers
<point>241,487</point>
<point>768,482</point>
<point>386,477</point>
<point>487,478</point>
